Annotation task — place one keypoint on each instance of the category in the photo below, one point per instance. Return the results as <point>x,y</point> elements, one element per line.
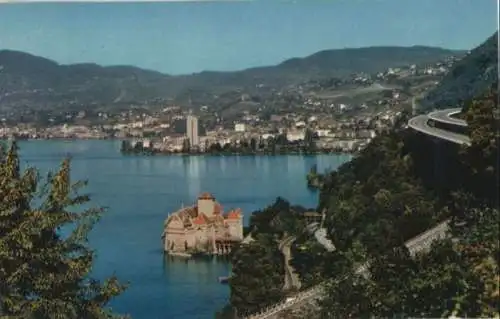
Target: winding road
<point>420,123</point>
<point>421,242</point>
<point>292,279</point>
<point>445,116</point>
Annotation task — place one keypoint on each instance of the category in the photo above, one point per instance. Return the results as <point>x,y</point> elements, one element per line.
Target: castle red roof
<point>200,220</point>
<point>234,214</point>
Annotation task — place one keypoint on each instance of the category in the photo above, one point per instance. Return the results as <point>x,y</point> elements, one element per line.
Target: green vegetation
<point>458,276</point>
<point>253,288</point>
<point>45,259</point>
<point>314,179</point>
<point>39,82</point>
<point>310,259</point>
<point>258,271</point>
<point>399,186</point>
<point>138,148</point>
<point>278,145</point>
<point>277,219</point>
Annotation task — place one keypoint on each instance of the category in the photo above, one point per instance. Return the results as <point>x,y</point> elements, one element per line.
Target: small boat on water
<point>224,279</point>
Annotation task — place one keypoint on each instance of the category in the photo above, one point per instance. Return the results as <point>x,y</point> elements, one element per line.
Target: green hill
<point>472,75</point>
<point>34,82</point>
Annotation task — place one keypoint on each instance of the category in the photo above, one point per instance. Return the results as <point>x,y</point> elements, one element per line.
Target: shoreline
<point>232,154</point>
<point>179,254</point>
<point>195,256</point>
<point>239,155</point>
<point>163,153</point>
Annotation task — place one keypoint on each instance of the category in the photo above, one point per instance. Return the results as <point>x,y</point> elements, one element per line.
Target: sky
<point>187,37</point>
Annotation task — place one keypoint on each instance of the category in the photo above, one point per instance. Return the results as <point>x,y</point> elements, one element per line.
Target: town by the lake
<point>249,159</point>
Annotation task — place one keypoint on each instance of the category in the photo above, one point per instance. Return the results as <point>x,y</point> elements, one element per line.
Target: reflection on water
<point>192,170</point>
<point>308,165</point>
<point>141,191</point>
<point>222,163</point>
<point>295,163</point>
<point>263,164</point>
<point>146,165</point>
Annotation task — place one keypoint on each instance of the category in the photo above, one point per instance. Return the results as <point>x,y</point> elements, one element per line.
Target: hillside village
<point>344,114</point>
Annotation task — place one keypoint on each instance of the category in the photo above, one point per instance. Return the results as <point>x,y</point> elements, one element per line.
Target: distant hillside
<point>469,77</point>
<point>35,82</point>
<point>340,63</point>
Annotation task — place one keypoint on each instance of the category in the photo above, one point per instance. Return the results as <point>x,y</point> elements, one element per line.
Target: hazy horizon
<point>188,37</point>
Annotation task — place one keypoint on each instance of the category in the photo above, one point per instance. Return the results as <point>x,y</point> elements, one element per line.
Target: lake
<point>141,191</point>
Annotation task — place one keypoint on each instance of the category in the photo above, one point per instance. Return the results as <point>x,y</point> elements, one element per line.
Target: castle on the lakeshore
<point>202,228</point>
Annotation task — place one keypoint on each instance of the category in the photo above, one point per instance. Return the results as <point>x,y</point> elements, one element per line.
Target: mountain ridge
<point>282,63</point>
<point>27,79</point>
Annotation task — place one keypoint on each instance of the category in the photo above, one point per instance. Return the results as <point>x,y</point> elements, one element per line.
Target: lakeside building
<point>192,130</point>
<point>202,228</point>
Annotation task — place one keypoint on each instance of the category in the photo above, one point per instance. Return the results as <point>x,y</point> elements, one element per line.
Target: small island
<point>314,179</point>
<point>202,229</point>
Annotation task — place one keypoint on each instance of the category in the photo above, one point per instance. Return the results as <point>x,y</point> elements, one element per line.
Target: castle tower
<point>234,220</point>
<point>206,204</point>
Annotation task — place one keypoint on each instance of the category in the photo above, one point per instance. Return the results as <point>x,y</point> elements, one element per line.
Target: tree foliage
<point>459,275</point>
<point>258,271</point>
<point>257,276</point>
<point>481,157</point>
<point>389,193</point>
<point>277,219</point>
<point>44,273</point>
<point>376,198</point>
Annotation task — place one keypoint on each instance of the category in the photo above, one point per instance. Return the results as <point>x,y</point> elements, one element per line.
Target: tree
<point>348,298</point>
<point>138,147</point>
<point>455,277</point>
<point>186,146</point>
<point>311,261</point>
<point>271,219</point>
<point>376,198</point>
<point>258,275</point>
<point>215,148</point>
<point>244,144</point>
<point>228,312</point>
<point>309,140</point>
<point>481,157</point>
<point>281,139</point>
<point>253,144</point>
<point>262,143</point>
<point>271,145</point>
<point>125,146</point>
<point>42,271</point>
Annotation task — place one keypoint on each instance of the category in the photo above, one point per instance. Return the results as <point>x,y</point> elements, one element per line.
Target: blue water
<point>141,191</point>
